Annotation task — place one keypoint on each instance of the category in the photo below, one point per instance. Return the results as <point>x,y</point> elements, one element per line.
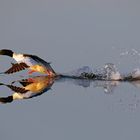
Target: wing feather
<point>17,89</point>
<point>17,67</point>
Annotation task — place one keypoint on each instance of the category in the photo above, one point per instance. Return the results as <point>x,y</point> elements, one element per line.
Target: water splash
<point>136,73</point>
<point>111,72</point>
<point>108,72</point>
<point>78,72</point>
<point>132,52</point>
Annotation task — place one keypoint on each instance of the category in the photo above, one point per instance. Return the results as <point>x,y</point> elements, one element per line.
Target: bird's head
<point>6,52</point>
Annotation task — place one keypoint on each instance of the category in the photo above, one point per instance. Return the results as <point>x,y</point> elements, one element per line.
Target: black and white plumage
<point>24,61</point>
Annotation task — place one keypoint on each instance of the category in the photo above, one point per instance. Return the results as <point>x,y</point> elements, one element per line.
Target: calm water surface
<point>72,34</point>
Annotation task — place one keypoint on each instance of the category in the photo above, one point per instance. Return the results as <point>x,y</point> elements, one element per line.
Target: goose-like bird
<point>31,87</point>
<point>24,61</point>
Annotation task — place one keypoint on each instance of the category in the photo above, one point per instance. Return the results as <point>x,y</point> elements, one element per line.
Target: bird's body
<point>31,87</point>
<point>32,62</point>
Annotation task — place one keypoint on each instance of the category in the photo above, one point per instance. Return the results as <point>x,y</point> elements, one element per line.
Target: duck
<point>31,87</point>
<point>27,61</point>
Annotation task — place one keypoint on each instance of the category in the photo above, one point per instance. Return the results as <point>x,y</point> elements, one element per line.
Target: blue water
<point>72,34</point>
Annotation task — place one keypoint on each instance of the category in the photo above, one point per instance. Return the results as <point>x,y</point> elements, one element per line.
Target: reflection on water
<point>108,78</point>
<point>37,85</point>
<point>29,88</point>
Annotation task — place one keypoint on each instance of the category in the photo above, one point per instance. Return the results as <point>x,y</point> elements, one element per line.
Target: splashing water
<point>111,73</point>
<point>78,72</point>
<point>132,52</point>
<point>135,75</point>
<point>108,72</point>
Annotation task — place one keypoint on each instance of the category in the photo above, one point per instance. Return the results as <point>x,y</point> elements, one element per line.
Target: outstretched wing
<point>16,67</point>
<point>17,89</point>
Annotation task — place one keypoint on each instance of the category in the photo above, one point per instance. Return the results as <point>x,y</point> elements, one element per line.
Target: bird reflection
<point>29,88</point>
<point>37,85</point>
<point>108,86</point>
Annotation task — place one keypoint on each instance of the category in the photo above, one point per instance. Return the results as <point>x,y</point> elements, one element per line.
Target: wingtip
<point>1,84</point>
<point>5,100</point>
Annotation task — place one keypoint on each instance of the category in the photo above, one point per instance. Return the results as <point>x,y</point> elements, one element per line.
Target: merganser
<point>31,87</point>
<point>33,62</point>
